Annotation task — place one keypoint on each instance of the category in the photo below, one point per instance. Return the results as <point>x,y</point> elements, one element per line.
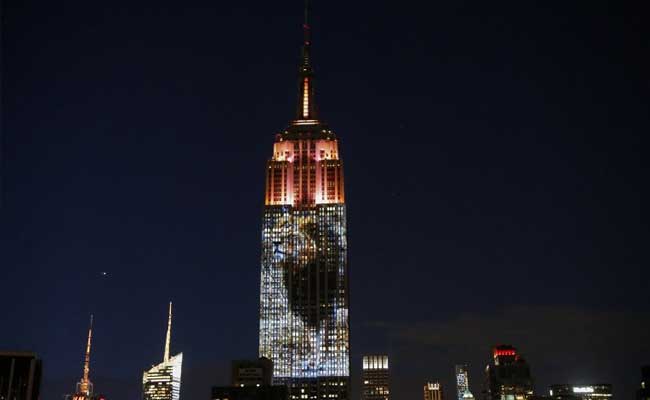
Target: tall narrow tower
<point>163,381</point>
<point>84,390</point>
<point>168,338</point>
<point>304,324</point>
<point>85,386</point>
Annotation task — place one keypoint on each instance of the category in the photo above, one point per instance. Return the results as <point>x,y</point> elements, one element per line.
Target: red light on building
<point>504,352</point>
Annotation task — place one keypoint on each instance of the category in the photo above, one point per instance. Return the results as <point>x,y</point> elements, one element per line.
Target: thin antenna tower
<point>169,334</point>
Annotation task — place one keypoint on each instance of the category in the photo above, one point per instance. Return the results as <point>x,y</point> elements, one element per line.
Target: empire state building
<point>304,322</point>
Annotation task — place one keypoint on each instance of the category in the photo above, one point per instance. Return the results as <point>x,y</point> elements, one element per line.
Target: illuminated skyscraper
<point>375,378</point>
<point>163,381</point>
<point>433,391</point>
<point>304,325</point>
<point>507,375</point>
<point>85,386</point>
<point>462,382</point>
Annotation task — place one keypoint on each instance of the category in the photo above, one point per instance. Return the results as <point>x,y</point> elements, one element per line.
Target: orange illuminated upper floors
<point>306,182</point>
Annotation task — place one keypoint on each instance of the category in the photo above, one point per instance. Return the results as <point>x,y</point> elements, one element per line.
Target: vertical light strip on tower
<point>305,98</point>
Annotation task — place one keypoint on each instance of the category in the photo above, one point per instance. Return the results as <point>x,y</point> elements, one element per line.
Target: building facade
<point>163,381</point>
<point>20,376</point>
<point>375,378</point>
<point>462,382</point>
<point>251,380</point>
<point>252,372</point>
<point>507,376</point>
<point>433,391</point>
<point>304,323</point>
<point>599,391</point>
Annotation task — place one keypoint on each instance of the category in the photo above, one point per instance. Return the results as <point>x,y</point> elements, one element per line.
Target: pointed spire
<point>306,109</point>
<point>306,42</point>
<point>169,334</point>
<point>85,381</point>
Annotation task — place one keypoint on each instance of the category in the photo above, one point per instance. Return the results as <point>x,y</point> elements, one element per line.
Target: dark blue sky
<point>496,176</point>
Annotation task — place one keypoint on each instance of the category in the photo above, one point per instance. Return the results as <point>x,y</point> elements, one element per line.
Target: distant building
<point>85,388</point>
<point>507,376</point>
<point>374,375</point>
<point>433,391</point>
<point>600,391</point>
<point>251,380</point>
<point>163,381</point>
<point>462,382</point>
<point>252,372</point>
<point>644,392</point>
<point>20,376</point>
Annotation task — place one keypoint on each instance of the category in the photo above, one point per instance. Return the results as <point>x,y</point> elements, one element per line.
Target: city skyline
<point>495,153</point>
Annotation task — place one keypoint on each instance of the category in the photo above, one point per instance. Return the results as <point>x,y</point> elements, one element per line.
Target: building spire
<point>305,27</point>
<point>85,381</point>
<point>169,334</point>
<point>306,109</point>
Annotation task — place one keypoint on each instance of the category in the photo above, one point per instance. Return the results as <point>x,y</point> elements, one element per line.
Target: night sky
<point>496,164</point>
